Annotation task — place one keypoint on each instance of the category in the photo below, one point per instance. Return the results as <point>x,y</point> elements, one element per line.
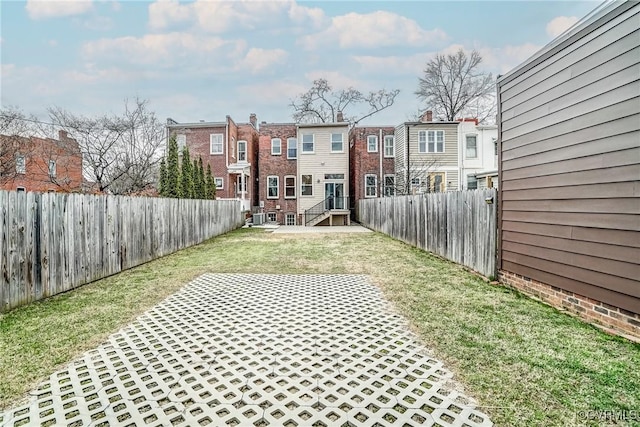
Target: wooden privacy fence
<point>460,226</point>
<point>50,243</point>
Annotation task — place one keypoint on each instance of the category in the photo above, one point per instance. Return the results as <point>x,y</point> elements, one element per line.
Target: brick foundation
<point>613,319</point>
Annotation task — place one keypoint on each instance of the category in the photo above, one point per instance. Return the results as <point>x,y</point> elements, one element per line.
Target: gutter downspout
<point>226,131</point>
<point>460,157</point>
<point>381,185</point>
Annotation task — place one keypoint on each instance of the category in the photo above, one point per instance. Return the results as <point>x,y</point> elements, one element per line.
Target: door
<point>334,195</point>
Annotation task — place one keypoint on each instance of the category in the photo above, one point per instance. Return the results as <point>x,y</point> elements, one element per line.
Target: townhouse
<point>230,149</point>
<point>478,158</point>
<point>40,164</point>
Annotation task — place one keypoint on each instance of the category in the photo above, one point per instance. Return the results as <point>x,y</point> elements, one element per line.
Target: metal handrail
<point>328,204</point>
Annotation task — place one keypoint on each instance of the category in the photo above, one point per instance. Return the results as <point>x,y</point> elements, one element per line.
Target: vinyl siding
<point>311,164</point>
<point>570,162</point>
<point>401,155</point>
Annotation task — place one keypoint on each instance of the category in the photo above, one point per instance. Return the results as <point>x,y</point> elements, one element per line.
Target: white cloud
<point>560,24</point>
<point>163,50</point>
<point>373,30</point>
<point>44,9</point>
<point>165,13</point>
<point>258,60</point>
<point>271,92</point>
<point>392,65</point>
<point>503,59</point>
<point>52,43</point>
<point>6,70</point>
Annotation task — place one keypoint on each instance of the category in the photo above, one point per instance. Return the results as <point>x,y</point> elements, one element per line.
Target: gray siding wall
<point>570,163</point>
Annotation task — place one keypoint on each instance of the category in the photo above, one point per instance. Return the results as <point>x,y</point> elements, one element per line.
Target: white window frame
<point>341,142</point>
<point>391,145</point>
<point>289,187</point>
<point>294,142</point>
<point>221,181</point>
<point>269,186</point>
<point>466,146</point>
<point>243,142</point>
<point>269,216</point>
<point>371,138</point>
<point>289,216</point>
<point>240,189</point>
<point>430,182</point>
<point>472,178</point>
<point>392,187</point>
<point>276,146</point>
<point>53,170</point>
<point>21,164</point>
<point>218,144</point>
<point>312,142</point>
<point>367,187</point>
<point>303,185</point>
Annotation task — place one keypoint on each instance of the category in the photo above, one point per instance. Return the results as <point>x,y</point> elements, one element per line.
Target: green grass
<point>524,362</point>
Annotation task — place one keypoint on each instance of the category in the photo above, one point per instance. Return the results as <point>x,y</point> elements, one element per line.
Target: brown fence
<point>460,226</point>
<point>50,243</point>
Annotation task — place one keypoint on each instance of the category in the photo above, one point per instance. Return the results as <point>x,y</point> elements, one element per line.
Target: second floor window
<point>292,148</point>
<point>242,151</point>
<point>307,143</point>
<point>372,143</point>
<point>336,142</point>
<point>431,141</point>
<point>21,165</point>
<point>52,168</point>
<point>472,147</point>
<point>181,140</point>
<point>389,146</point>
<point>216,146</point>
<point>276,146</point>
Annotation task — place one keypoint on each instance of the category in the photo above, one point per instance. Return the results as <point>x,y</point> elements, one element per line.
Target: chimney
<point>427,116</point>
<point>253,119</point>
<point>62,135</point>
<point>339,117</point>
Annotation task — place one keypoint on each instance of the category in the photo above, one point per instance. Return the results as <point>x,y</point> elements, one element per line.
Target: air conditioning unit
<point>258,219</point>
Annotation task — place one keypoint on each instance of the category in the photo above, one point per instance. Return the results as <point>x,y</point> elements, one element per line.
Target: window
<point>242,151</point>
<point>216,146</point>
<point>336,142</point>
<point>435,182</point>
<point>495,146</point>
<point>289,187</point>
<point>276,146</point>
<point>472,182</point>
<point>21,165</point>
<point>307,143</point>
<point>306,189</point>
<point>292,148</point>
<point>20,189</point>
<point>290,219</point>
<point>328,176</point>
<point>415,182</point>
<point>219,183</point>
<point>370,186</point>
<point>389,146</point>
<point>372,144</point>
<point>431,141</point>
<point>472,147</point>
<point>241,184</point>
<point>271,217</point>
<point>181,140</point>
<point>52,168</point>
<point>389,185</point>
<point>273,187</point>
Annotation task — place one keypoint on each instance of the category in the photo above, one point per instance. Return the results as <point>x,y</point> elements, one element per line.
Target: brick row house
<point>40,164</point>
<point>313,174</point>
<point>230,148</point>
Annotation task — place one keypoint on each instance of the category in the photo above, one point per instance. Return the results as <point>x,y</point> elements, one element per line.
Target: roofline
<point>430,123</point>
<point>578,30</point>
<point>316,125</point>
<point>197,125</point>
<point>374,126</point>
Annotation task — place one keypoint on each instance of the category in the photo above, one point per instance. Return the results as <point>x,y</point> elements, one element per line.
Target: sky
<point>206,59</point>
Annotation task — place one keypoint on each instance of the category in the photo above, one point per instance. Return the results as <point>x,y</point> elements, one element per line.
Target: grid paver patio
<point>257,349</point>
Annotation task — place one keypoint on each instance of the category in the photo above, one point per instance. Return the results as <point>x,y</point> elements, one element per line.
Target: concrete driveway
<point>257,350</point>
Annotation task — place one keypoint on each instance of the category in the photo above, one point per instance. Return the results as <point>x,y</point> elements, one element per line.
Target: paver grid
<point>255,350</point>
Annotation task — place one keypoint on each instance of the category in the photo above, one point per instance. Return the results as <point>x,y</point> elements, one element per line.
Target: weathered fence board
<point>460,226</point>
<point>53,242</point>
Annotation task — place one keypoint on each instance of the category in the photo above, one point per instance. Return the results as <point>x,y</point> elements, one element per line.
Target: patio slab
<point>257,350</point>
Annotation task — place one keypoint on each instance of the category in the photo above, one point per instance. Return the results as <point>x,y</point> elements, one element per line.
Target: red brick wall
<point>38,151</point>
<point>616,320</point>
<point>276,165</point>
<point>362,162</point>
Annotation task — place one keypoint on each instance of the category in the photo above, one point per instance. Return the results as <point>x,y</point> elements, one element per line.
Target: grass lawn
<point>525,363</point>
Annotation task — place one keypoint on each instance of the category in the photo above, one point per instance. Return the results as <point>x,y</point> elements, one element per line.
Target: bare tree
<point>15,145</point>
<point>453,86</point>
<point>419,177</point>
<point>121,153</point>
<point>322,104</point>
